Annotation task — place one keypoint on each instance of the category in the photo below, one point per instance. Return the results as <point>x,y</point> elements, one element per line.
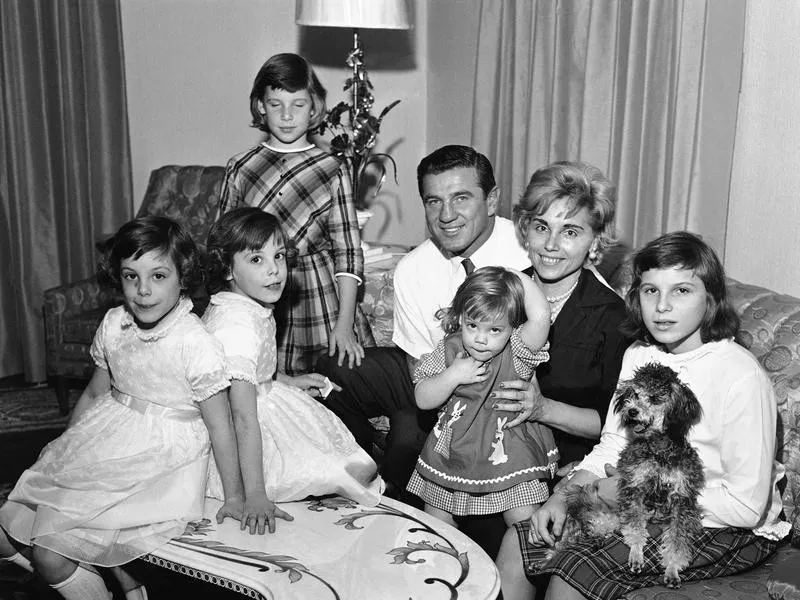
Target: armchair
<point>72,312</point>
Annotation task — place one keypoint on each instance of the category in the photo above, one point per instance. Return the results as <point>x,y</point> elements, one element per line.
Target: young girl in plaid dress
<point>310,191</point>
<point>471,463</point>
<point>679,311</point>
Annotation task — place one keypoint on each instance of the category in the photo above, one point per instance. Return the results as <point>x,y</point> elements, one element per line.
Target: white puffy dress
<point>129,474</point>
<point>307,450</point>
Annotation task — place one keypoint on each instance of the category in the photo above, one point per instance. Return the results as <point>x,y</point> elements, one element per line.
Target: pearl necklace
<point>563,296</point>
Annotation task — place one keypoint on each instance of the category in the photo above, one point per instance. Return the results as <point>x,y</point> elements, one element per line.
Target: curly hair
<point>489,293</point>
<point>240,229</point>
<point>292,73</point>
<point>148,234</point>
<point>582,186</point>
<point>683,250</point>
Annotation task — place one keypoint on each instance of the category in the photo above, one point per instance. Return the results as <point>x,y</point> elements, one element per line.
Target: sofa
<point>771,331</point>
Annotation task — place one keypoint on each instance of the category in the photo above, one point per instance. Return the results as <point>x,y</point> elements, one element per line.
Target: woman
<point>565,220</point>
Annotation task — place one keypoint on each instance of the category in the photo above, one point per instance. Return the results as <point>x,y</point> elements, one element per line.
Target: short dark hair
<point>147,234</point>
<point>582,186</point>
<point>488,293</point>
<point>240,229</point>
<point>683,250</point>
<point>451,157</point>
<point>292,73</point>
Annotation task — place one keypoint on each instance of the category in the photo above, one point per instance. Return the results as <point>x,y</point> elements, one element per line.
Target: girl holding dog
<point>678,310</point>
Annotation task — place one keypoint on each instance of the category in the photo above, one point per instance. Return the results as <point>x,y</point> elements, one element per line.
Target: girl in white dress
<point>290,446</point>
<point>130,470</point>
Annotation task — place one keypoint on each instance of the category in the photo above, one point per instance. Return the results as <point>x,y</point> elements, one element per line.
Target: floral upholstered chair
<point>72,312</point>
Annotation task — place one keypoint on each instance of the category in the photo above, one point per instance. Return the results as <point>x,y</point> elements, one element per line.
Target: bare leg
<point>519,513</point>
<point>515,585</point>
<point>440,514</point>
<point>73,582</point>
<point>7,549</point>
<point>133,589</point>
<point>558,589</point>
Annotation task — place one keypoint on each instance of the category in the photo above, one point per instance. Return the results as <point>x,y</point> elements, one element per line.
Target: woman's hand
<point>310,383</point>
<point>232,507</point>
<point>547,523</point>
<point>344,341</point>
<point>607,488</point>
<point>523,397</point>
<point>260,512</point>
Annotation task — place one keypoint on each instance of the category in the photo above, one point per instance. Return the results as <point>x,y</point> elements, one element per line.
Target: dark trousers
<point>381,386</point>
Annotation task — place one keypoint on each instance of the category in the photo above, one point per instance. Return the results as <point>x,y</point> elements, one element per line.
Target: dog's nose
<point>633,412</point>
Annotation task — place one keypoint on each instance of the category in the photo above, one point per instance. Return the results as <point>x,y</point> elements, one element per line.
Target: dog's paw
<point>671,578</point>
<point>636,559</point>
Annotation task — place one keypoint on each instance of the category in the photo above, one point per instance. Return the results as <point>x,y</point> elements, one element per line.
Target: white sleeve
<point>409,333</point>
<point>740,497</point>
<point>613,438</point>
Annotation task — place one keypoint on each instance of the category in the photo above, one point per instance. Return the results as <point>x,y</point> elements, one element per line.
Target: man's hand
<point>523,397</point>
<point>607,488</point>
<point>310,383</point>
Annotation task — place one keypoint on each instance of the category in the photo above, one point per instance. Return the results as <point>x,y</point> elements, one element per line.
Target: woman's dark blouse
<point>586,349</point>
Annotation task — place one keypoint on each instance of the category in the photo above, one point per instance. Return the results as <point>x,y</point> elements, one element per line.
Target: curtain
<point>65,175</point>
<point>646,90</point>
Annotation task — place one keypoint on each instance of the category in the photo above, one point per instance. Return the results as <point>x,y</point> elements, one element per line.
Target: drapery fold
<point>631,86</point>
<point>65,175</point>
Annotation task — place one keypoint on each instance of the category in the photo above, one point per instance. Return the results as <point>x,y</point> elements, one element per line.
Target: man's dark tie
<point>468,266</point>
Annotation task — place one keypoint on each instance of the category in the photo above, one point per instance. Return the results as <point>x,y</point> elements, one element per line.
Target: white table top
<point>339,550</point>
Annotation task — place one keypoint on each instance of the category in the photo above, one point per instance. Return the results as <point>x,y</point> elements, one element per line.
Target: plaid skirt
<point>526,493</point>
<point>600,572</point>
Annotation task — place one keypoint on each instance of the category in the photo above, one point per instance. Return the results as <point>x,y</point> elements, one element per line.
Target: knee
<point>53,567</point>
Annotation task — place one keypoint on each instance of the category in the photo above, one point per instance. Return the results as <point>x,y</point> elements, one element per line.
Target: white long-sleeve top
<point>735,437</point>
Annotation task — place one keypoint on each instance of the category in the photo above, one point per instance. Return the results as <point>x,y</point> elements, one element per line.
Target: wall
<point>763,238</point>
<point>190,64</point>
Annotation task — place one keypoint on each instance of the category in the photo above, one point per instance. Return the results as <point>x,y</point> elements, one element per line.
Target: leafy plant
<point>356,129</point>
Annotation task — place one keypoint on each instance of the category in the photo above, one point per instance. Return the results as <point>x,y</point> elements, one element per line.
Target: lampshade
<point>359,14</point>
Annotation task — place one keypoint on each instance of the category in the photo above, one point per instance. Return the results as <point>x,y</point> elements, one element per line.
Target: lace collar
<point>183,308</point>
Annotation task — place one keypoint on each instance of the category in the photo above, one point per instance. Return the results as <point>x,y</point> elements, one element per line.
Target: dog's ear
<point>682,412</point>
<point>625,390</point>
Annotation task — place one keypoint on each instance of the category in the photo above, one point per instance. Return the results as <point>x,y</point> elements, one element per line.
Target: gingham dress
<point>310,191</point>
<point>470,464</point>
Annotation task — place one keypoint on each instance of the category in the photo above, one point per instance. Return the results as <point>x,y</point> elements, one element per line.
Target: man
<point>460,199</point>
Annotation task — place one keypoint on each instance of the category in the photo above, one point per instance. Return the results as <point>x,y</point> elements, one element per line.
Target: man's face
<point>459,215</point>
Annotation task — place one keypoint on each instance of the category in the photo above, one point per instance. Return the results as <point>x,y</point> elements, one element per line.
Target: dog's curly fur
<point>660,475</point>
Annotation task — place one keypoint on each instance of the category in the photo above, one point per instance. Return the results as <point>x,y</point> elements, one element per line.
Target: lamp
<point>356,144</point>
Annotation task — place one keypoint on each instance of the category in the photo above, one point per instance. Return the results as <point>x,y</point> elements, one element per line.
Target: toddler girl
<point>678,310</point>
<point>310,191</point>
<point>471,464</point>
<point>129,472</point>
<point>290,446</point>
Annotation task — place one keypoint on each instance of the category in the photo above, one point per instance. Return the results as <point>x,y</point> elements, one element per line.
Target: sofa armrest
<point>67,301</point>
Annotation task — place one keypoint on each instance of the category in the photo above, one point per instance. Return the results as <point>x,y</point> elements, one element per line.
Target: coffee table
<point>335,549</point>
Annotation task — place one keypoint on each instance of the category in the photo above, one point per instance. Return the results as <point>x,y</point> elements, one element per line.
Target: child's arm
<point>259,511</point>
<point>535,330</point>
<point>342,337</point>
<point>434,391</point>
<point>217,417</point>
<point>99,384</point>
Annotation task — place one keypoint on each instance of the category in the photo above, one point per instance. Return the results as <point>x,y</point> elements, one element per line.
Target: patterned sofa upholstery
<point>72,312</point>
<point>771,331</point>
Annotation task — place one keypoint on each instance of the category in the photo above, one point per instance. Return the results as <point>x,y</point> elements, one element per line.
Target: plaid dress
<point>310,191</point>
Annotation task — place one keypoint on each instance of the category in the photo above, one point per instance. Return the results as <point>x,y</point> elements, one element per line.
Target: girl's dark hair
<point>240,229</point>
<point>292,73</point>
<point>146,234</point>
<point>488,293</point>
<point>683,250</point>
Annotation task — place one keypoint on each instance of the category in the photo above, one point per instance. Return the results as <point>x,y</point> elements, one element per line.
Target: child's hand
<point>312,384</point>
<point>260,512</point>
<point>232,507</point>
<point>466,369</point>
<point>344,341</point>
